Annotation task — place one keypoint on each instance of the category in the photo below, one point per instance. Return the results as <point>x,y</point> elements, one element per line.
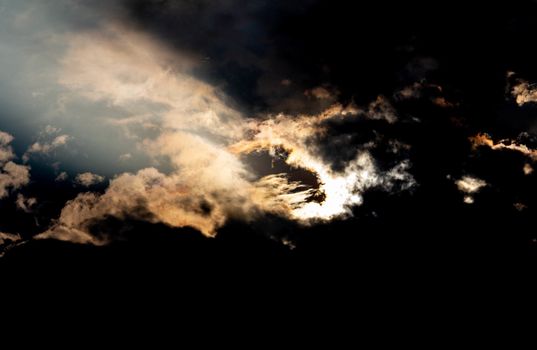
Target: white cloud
<point>46,147</point>
<point>88,179</point>
<point>470,185</point>
<point>468,199</point>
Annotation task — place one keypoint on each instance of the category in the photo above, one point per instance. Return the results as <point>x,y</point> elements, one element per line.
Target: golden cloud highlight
<point>341,189</point>
<point>203,140</point>
<point>486,140</point>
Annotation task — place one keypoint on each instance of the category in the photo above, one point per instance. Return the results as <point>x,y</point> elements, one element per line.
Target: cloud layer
<point>202,139</point>
<point>199,114</point>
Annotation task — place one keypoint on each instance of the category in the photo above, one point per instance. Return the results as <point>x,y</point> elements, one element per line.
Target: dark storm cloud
<point>269,54</point>
<point>362,49</point>
<point>238,45</point>
<point>265,53</point>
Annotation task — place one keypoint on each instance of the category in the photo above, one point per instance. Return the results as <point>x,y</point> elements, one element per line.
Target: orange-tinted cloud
<point>523,92</point>
<point>486,140</point>
<point>201,139</point>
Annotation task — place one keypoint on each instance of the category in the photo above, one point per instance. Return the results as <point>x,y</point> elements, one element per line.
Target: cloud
<point>6,152</point>
<point>73,235</point>
<point>432,92</point>
<point>124,157</point>
<point>442,102</point>
<point>523,92</point>
<point>47,147</point>
<point>520,206</point>
<point>148,194</point>
<point>12,176</point>
<point>88,179</point>
<point>50,130</point>
<point>122,93</point>
<point>150,77</point>
<point>208,184</point>
<point>408,92</point>
<point>470,185</point>
<point>381,109</point>
<point>527,169</point>
<point>25,204</point>
<point>202,140</point>
<point>62,176</point>
<point>342,189</point>
<point>8,241</point>
<point>319,92</point>
<point>486,140</point>
<point>4,237</point>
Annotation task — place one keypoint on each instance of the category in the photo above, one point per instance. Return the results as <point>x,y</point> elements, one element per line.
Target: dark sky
<point>321,139</point>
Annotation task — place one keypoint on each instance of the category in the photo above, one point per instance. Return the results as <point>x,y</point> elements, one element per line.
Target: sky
<point>272,133</point>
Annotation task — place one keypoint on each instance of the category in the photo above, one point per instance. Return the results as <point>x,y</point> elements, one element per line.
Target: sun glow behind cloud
<point>341,189</point>
<point>117,91</point>
<point>202,138</point>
